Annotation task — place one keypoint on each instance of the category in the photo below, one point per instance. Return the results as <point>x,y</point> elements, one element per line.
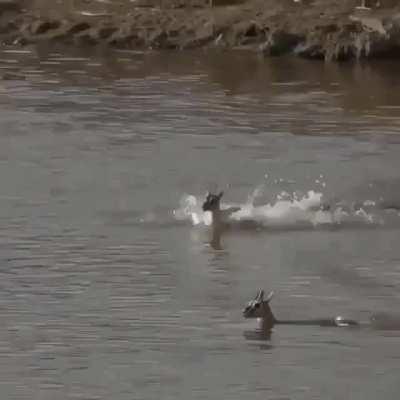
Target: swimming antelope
<point>212,203</point>
<point>220,217</point>
<point>259,308</point>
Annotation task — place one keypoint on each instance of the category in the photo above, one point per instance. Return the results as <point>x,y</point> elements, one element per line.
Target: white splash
<point>288,210</point>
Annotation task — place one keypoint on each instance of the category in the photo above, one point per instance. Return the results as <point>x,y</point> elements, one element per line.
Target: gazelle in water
<point>259,308</point>
<point>220,216</point>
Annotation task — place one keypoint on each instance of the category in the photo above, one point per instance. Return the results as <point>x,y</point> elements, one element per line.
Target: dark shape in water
<point>260,308</point>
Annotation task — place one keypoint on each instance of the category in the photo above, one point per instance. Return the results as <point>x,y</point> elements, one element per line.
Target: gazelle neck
<point>216,216</point>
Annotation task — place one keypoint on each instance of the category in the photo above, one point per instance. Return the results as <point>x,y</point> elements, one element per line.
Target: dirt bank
<point>320,29</point>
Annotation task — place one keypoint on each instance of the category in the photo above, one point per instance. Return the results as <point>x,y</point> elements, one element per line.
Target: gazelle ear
<point>260,295</point>
<point>221,194</point>
<point>269,297</point>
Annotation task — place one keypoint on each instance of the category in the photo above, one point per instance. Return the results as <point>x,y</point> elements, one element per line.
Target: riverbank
<point>331,30</point>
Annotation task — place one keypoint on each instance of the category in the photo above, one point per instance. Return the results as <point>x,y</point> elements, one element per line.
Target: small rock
<point>41,27</point>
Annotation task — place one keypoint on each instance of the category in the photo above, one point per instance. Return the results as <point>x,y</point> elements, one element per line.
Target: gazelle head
<point>259,308</point>
<point>212,202</point>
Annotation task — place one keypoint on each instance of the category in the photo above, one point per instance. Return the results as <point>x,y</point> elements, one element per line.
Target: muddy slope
<point>320,29</point>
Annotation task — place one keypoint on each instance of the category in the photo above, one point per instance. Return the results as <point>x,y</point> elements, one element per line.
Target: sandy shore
<point>320,29</point>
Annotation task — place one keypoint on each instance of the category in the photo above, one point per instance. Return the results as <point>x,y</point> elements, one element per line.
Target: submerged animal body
<point>259,308</point>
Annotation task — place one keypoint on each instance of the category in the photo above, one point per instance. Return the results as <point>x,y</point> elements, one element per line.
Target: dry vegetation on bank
<point>321,29</point>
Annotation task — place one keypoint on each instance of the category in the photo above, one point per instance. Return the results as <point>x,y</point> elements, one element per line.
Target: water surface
<point>109,288</point>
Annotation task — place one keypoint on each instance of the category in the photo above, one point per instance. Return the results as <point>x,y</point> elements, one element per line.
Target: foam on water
<point>286,211</point>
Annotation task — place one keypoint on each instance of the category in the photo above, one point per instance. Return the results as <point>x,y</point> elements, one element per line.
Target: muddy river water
<point>109,288</point>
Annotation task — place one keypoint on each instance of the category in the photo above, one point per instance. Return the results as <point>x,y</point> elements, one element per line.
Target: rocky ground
<point>320,29</point>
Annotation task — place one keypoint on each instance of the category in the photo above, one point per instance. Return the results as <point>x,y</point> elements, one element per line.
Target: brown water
<point>108,290</point>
